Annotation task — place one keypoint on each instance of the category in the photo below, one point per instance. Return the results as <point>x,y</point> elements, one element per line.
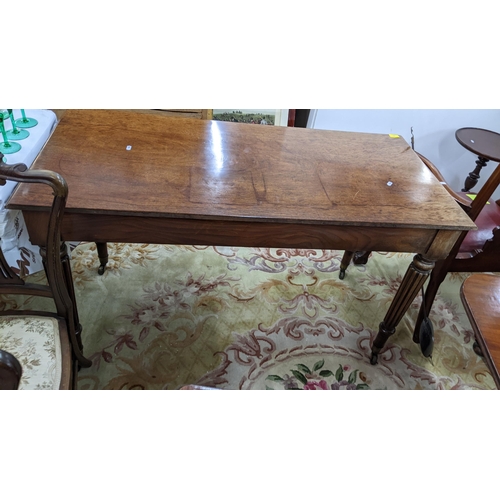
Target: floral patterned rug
<point>165,316</point>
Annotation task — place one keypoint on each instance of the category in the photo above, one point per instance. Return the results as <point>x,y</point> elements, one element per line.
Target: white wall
<point>434,132</point>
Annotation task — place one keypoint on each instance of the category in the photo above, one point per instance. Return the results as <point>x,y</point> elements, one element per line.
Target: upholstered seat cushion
<point>35,342</point>
<point>487,220</point>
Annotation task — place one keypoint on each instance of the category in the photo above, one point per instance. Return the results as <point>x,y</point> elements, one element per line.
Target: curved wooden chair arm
<point>58,274</point>
<point>463,200</point>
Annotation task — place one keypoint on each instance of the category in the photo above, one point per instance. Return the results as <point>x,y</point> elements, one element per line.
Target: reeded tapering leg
<point>344,264</point>
<point>473,176</point>
<point>102,252</point>
<point>415,277</point>
<point>438,275</point>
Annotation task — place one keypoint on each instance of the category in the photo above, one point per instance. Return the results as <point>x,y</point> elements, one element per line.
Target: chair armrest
<point>462,199</point>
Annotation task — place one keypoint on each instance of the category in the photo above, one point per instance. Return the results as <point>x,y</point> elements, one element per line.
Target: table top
<point>481,297</point>
<point>119,162</point>
<point>484,143</point>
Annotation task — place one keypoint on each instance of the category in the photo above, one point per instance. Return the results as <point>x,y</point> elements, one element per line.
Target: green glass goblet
<point>16,134</point>
<point>26,122</point>
<point>7,147</point>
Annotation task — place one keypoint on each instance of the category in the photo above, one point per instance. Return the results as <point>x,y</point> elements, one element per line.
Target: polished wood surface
<point>203,114</point>
<point>482,142</point>
<point>485,144</point>
<point>183,168</point>
<point>481,298</point>
<point>186,181</point>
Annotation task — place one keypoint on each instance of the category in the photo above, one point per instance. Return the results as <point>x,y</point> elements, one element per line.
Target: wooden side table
<point>480,295</point>
<point>485,144</point>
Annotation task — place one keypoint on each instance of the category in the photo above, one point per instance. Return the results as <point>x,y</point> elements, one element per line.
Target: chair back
<point>57,289</point>
<point>474,206</point>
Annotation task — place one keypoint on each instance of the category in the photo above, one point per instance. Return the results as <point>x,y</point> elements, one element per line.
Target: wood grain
<point>484,143</point>
<point>186,168</point>
<point>188,181</point>
<point>481,298</point>
<point>138,229</point>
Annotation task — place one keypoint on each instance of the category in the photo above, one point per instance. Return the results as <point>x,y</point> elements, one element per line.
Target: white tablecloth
<point>18,250</point>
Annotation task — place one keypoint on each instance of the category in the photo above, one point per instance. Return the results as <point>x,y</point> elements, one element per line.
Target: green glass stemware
<point>16,134</point>
<point>26,122</point>
<point>7,147</point>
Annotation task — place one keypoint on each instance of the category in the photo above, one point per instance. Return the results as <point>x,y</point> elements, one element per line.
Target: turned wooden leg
<point>344,264</point>
<point>414,279</point>
<point>473,177</point>
<point>438,275</point>
<point>102,252</point>
<point>361,258</point>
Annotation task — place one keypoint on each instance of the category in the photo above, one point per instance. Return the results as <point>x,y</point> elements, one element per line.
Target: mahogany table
<point>485,144</point>
<point>196,182</point>
<point>480,295</point>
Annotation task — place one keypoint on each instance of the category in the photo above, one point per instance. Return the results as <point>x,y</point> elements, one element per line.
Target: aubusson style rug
<point>164,316</point>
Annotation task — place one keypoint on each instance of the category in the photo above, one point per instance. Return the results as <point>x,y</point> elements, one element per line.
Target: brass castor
<point>342,274</point>
<point>101,269</point>
<point>374,359</point>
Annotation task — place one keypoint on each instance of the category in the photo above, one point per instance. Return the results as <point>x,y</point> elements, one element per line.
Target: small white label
<point>389,183</point>
<point>128,148</point>
<point>443,183</point>
<point>472,140</point>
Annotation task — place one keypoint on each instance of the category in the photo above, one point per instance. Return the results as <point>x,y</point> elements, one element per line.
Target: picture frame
<point>276,117</point>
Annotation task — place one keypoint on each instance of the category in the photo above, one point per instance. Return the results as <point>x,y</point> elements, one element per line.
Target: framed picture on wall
<point>255,116</point>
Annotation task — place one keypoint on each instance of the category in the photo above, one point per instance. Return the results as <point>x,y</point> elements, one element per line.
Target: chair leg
<point>74,330</point>
<point>344,264</point>
<point>102,252</point>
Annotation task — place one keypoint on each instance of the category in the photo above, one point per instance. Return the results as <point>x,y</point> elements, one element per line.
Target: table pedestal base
<point>473,176</point>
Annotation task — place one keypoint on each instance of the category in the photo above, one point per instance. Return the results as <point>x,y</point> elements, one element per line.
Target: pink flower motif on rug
<point>320,379</point>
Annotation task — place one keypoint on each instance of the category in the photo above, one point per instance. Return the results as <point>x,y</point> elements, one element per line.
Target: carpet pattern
<point>165,316</point>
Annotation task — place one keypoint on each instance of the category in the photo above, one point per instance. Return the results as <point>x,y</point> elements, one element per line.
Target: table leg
<point>414,279</point>
<point>102,252</point>
<point>361,258</point>
<point>344,264</point>
<point>356,257</point>
<point>473,176</point>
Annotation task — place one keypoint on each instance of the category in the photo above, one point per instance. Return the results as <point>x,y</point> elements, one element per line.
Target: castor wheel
<point>101,269</point>
<point>374,359</point>
<point>360,258</point>
<point>477,349</point>
<point>342,274</point>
